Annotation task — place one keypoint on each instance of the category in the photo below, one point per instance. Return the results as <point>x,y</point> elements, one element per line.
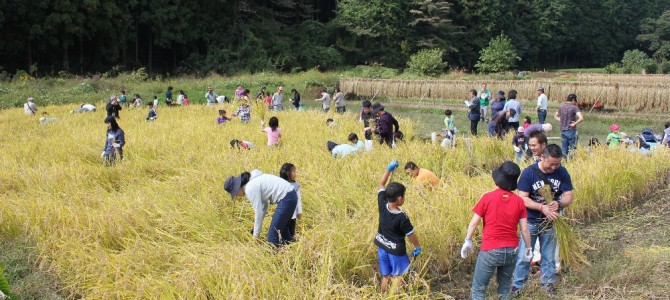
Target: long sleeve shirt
<point>263,190</point>
<point>114,137</point>
<point>387,125</point>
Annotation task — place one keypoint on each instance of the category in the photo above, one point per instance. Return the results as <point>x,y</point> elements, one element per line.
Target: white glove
<point>467,248</point>
<point>116,145</point>
<point>517,149</point>
<point>262,122</point>
<point>103,154</point>
<point>528,255</point>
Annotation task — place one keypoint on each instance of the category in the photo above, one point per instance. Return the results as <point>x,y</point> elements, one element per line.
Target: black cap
<point>377,107</point>
<point>506,175</point>
<point>572,97</point>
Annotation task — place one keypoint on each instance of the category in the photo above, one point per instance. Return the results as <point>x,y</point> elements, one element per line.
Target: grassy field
<point>159,224</point>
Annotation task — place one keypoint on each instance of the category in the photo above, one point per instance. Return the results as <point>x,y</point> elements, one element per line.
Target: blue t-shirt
<point>531,183</point>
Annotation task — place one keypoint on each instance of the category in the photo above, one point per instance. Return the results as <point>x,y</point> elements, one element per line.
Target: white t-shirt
<point>88,107</point>
<point>180,99</point>
<point>542,101</point>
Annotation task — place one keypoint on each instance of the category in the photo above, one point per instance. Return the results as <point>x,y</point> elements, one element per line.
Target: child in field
<point>614,138</point>
<point>244,145</point>
<point>289,173</point>
<point>168,96</point>
<point>273,131</point>
<point>122,99</point>
<point>340,150</point>
<point>152,112</point>
<point>520,144</point>
<point>268,101</point>
<point>353,138</point>
<point>137,101</point>
<point>155,101</point>
<point>186,101</point>
<point>114,141</point>
<point>527,122</point>
<point>222,117</point>
<point>500,210</point>
<point>449,122</point>
<point>244,111</point>
<point>330,123</point>
<point>394,226</point>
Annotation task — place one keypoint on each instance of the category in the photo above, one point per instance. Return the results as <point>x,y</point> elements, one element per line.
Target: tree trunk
<point>30,56</point>
<point>137,43</point>
<point>81,55</point>
<point>66,61</point>
<point>151,49</point>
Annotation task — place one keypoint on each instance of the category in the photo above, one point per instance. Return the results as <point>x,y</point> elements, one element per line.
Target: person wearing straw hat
<point>394,226</point>
<point>542,215</point>
<point>30,107</point>
<point>542,103</point>
<point>569,116</point>
<point>500,210</point>
<point>262,190</point>
<point>387,125</point>
<point>210,96</point>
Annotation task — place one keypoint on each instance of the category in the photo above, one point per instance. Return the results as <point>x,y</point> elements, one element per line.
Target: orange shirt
<point>427,176</point>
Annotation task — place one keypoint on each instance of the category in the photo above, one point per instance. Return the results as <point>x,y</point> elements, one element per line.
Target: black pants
<point>514,125</point>
<point>473,127</point>
<point>341,109</point>
<point>291,227</point>
<point>297,105</point>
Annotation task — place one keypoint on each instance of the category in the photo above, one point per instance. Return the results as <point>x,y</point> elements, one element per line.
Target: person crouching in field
<point>394,226</point>
<point>421,175</point>
<point>152,112</point>
<point>222,117</point>
<point>114,141</point>
<point>262,190</point>
<point>501,210</point>
<point>244,145</point>
<point>289,173</point>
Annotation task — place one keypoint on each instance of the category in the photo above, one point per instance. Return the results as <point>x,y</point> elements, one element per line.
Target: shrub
<point>426,62</point>
<point>499,56</point>
<point>635,61</point>
<point>664,68</point>
<point>612,68</point>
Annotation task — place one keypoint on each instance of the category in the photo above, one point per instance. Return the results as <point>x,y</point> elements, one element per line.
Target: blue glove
<point>392,166</point>
<point>416,251</point>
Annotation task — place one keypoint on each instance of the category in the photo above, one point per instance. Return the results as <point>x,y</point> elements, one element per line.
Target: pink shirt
<point>273,136</point>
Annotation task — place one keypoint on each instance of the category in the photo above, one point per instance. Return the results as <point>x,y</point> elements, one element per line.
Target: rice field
<point>160,226</point>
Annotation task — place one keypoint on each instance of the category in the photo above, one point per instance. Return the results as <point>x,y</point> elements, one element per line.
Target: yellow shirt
<point>427,176</point>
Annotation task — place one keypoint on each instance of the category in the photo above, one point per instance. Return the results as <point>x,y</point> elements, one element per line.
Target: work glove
<point>392,166</point>
<point>102,154</point>
<point>416,252</point>
<point>116,145</point>
<point>467,248</point>
<point>528,255</point>
<point>517,149</point>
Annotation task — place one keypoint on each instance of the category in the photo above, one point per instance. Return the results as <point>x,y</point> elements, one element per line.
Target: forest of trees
<point>228,36</point>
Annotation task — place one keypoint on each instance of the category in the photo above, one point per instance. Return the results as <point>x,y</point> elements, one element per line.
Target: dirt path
<point>630,259</point>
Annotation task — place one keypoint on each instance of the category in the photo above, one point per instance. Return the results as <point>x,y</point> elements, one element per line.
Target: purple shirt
<point>532,128</point>
<point>386,124</point>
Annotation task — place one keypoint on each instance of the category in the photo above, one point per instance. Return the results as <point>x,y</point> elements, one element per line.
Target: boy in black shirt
<point>394,226</point>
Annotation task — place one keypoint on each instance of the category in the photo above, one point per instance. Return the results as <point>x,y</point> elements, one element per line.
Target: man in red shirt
<point>501,210</point>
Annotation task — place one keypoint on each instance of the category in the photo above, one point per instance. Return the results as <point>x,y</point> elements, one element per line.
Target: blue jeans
<point>569,141</point>
<point>519,155</point>
<point>281,219</point>
<point>547,238</point>
<point>501,260</point>
<point>542,115</point>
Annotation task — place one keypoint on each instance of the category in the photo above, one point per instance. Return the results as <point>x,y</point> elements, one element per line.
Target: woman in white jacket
<point>263,190</point>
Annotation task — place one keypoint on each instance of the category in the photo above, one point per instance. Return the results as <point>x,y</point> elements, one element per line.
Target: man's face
<point>412,172</point>
<point>550,164</point>
<point>367,110</point>
<point>483,86</point>
<point>539,92</point>
<point>535,147</point>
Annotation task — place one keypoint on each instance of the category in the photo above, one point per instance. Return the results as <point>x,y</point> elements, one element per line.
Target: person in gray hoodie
<point>262,190</point>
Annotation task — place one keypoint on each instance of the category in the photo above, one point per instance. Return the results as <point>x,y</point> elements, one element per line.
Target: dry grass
<point>621,92</point>
<point>159,224</point>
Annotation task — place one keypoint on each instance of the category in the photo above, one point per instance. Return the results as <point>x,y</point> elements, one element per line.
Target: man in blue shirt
<point>547,172</point>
